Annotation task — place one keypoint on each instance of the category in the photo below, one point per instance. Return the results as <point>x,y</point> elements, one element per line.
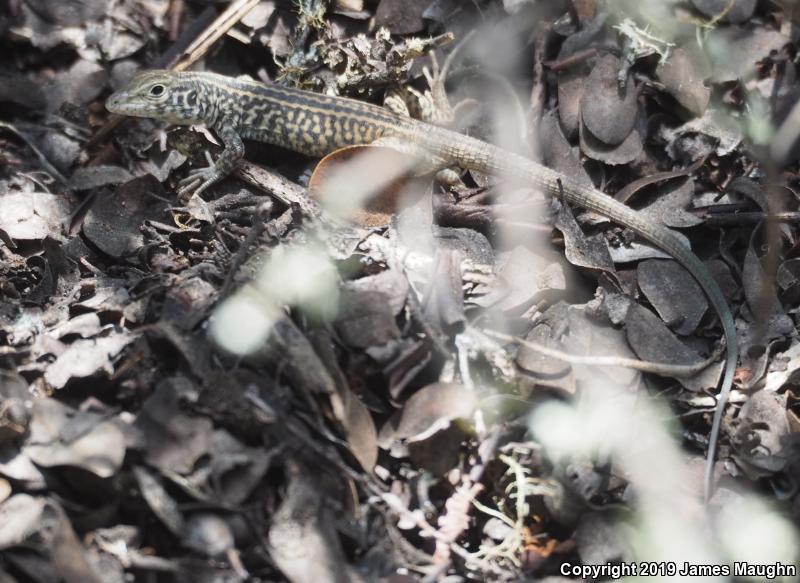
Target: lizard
<point>316,125</point>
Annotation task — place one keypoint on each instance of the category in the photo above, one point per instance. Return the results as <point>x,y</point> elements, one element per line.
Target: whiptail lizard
<point>316,125</point>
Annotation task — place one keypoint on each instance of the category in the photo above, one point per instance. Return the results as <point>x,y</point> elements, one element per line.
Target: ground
<point>455,378</point>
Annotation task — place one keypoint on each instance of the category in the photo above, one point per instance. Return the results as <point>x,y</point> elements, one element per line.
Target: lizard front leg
<point>200,179</point>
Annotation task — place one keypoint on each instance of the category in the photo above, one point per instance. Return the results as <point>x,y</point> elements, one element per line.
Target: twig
<point>279,187</point>
<point>659,368</point>
<point>42,158</point>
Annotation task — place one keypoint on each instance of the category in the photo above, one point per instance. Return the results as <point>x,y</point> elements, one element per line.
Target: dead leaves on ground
<point>388,439</point>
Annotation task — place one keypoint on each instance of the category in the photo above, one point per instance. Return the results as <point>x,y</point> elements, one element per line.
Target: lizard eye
<point>157,91</point>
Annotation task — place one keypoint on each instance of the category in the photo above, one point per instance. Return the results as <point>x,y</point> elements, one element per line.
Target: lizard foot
<point>198,180</point>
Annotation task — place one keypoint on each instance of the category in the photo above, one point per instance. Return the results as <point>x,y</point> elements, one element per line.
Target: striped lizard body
<point>316,125</point>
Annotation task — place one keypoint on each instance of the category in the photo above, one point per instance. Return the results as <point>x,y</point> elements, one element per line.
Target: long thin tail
<point>476,155</point>
<point>594,200</point>
<point>669,242</point>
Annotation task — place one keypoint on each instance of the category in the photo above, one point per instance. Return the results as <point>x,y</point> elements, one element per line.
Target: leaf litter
<point>385,423</point>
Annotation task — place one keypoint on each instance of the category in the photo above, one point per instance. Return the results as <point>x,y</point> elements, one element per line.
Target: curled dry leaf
<point>550,371</point>
<point>365,183</point>
<point>97,446</point>
<point>85,358</point>
<point>158,499</point>
<point>763,300</point>
<point>34,215</point>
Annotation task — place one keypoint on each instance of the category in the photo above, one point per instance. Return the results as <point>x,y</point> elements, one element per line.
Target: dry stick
<point>176,8</point>
<point>224,22</point>
<point>744,218</point>
<point>539,89</point>
<point>49,168</point>
<point>672,370</point>
<point>279,187</point>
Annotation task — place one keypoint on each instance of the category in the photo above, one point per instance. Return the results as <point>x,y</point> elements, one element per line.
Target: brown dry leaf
<point>234,470</point>
<point>760,436</point>
<point>91,177</point>
<point>571,83</point>
<point>364,182</point>
<point>673,292</point>
<point>365,319</point>
<point>34,215</point>
<point>21,516</point>
<point>788,279</point>
<point>527,277</point>
<point>684,74</point>
<point>429,410</point>
<point>302,538</point>
<point>726,10</point>
<point>590,252</point>
<point>159,500</point>
<point>208,534</point>
<point>401,16</point>
<point>624,153</point>
<point>69,12</point>
<point>113,223</point>
<point>763,301</point>
<point>14,406</point>
<point>444,300</point>
<point>652,340</point>
<point>85,358</point>
<point>574,332</point>
<point>61,436</point>
<point>670,202</point>
<point>550,372</point>
<point>558,153</point>
<point>391,283</point>
<point>362,437</point>
<point>21,90</point>
<point>607,110</point>
<point>735,50</point>
<point>174,439</point>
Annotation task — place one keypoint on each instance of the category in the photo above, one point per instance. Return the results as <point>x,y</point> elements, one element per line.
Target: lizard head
<point>163,95</point>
